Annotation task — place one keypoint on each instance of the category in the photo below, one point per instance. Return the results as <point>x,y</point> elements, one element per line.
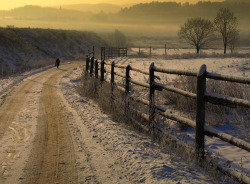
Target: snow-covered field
<point>143,161</point>
<point>229,66</point>
<point>176,51</point>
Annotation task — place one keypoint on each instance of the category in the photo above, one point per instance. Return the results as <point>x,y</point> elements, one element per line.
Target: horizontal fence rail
<point>227,78</point>
<point>177,72</point>
<point>228,138</point>
<point>176,90</point>
<point>113,52</point>
<point>168,114</point>
<point>201,97</point>
<point>226,100</point>
<point>139,83</point>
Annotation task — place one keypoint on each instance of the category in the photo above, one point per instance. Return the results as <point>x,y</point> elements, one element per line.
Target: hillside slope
<point>30,12</point>
<point>23,48</point>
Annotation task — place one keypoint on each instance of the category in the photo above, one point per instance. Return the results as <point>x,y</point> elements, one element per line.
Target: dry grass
<point>169,141</point>
<point>216,115</point>
<point>101,92</point>
<point>194,55</point>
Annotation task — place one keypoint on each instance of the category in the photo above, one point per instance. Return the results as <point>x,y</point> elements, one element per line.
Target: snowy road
<point>49,134</point>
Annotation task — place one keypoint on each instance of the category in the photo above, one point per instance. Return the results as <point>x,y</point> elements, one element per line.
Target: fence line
<point>113,52</point>
<point>201,98</point>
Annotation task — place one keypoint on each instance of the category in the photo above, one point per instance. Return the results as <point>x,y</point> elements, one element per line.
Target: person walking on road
<point>57,62</point>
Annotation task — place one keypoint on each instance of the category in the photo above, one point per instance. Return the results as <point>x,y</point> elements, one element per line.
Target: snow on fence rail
<point>201,98</point>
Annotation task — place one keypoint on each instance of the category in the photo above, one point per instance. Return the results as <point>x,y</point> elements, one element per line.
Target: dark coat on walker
<point>57,63</point>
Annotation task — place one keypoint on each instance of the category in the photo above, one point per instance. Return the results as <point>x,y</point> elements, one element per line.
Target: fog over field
<point>150,20</point>
<point>6,5</point>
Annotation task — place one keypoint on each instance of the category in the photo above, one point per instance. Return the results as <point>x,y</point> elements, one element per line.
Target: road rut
<point>56,164</point>
<point>41,141</point>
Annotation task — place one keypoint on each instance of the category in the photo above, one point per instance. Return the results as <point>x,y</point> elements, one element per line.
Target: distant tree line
<point>31,12</point>
<point>147,12</point>
<point>163,10</point>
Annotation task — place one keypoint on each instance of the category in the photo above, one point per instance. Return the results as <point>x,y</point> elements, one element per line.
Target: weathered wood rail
<point>202,96</point>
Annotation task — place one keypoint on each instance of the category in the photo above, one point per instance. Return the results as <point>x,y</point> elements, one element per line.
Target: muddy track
<point>52,159</point>
<point>47,148</point>
<point>44,140</point>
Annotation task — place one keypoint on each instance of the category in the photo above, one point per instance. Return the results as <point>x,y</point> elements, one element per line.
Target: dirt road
<point>39,143</point>
<point>49,134</point>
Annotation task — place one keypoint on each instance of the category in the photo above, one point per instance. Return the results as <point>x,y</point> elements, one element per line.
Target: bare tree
<point>197,32</point>
<point>226,24</point>
<point>118,39</point>
<point>233,39</point>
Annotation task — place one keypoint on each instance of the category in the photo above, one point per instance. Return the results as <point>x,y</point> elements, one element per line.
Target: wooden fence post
<point>112,73</point>
<point>139,52</point>
<point>96,69</point>
<point>165,49</point>
<point>93,51</point>
<point>150,53</point>
<point>112,82</point>
<point>127,90</point>
<point>91,66</point>
<point>126,52</point>
<point>127,79</point>
<point>102,70</point>
<point>87,63</point>
<point>200,113</point>
<point>151,99</point>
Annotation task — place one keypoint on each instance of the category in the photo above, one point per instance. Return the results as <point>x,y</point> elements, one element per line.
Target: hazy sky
<point>10,4</point>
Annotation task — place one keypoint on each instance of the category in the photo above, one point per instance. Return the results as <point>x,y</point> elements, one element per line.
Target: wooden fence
<point>201,98</point>
<point>113,52</point>
<point>141,50</point>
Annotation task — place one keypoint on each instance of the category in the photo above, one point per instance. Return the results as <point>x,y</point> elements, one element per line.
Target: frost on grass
<point>217,116</point>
